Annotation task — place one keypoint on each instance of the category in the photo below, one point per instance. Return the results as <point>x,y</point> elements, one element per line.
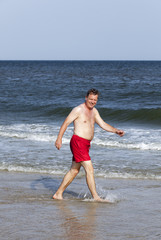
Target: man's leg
<point>67,180</point>
<point>88,167</point>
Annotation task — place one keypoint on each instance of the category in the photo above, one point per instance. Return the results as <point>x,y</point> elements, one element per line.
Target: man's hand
<point>120,133</point>
<point>58,144</point>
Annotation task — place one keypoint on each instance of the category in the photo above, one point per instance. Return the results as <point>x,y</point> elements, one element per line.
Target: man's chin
<point>91,107</point>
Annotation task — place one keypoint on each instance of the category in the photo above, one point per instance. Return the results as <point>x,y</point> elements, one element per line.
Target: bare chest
<point>86,117</point>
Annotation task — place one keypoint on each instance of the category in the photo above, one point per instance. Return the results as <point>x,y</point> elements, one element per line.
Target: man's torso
<point>84,123</point>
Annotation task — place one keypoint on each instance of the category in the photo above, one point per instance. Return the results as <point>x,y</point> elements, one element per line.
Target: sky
<point>80,30</point>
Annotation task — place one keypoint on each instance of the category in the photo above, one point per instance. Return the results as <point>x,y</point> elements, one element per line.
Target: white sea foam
<point>126,145</point>
<point>139,139</point>
<point>112,198</point>
<point>32,132</point>
<point>27,169</point>
<point>117,175</point>
<point>52,171</point>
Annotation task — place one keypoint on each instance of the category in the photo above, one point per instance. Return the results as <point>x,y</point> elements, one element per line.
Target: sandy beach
<point>27,210</point>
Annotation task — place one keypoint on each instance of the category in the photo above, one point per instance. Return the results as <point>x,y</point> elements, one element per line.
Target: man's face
<point>91,100</point>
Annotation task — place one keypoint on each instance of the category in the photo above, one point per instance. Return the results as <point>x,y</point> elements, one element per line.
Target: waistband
<point>82,139</point>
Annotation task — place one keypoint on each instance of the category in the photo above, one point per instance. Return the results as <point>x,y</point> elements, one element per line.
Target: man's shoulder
<point>95,110</point>
<point>78,108</point>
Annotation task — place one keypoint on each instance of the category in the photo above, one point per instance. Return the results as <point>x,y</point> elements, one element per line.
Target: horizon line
<point>76,60</point>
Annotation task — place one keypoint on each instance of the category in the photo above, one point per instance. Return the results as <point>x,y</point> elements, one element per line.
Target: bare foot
<point>101,200</point>
<point>57,196</point>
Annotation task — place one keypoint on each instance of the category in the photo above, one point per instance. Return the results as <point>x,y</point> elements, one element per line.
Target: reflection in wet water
<point>78,222</point>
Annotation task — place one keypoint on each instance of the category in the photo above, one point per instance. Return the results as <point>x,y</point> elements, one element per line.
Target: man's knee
<point>74,171</point>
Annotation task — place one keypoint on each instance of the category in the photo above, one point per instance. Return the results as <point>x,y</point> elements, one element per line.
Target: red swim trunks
<point>80,148</point>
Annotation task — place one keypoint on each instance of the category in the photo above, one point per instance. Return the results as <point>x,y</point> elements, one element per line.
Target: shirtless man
<point>84,117</point>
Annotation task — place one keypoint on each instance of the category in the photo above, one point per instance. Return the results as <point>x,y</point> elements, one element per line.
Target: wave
<point>97,142</point>
<point>146,116</point>
<point>139,139</point>
<point>149,116</point>
<point>116,175</point>
<point>137,146</point>
<point>29,136</point>
<point>143,115</point>
<point>100,174</point>
<point>27,169</point>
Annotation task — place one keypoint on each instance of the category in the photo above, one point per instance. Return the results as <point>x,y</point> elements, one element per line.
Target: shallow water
<point>27,210</point>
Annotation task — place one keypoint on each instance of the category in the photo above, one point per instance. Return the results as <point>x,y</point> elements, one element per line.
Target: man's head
<point>92,91</point>
<point>91,98</point>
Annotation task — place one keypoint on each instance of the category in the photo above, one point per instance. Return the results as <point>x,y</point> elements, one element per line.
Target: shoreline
<point>28,211</point>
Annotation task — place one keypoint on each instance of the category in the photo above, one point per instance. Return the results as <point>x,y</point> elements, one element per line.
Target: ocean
<point>36,97</point>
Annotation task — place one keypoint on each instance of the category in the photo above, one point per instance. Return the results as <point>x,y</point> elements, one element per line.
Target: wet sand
<point>27,210</point>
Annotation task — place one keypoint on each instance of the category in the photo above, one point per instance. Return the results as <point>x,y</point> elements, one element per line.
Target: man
<point>84,117</point>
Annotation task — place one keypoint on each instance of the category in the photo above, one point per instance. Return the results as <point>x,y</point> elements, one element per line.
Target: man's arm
<point>106,126</point>
<point>70,118</point>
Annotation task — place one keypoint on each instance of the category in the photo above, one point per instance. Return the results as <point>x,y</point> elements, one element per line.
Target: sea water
<point>36,97</point>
